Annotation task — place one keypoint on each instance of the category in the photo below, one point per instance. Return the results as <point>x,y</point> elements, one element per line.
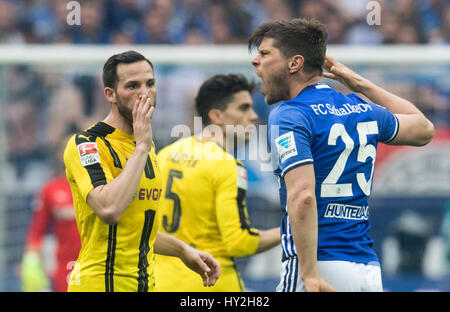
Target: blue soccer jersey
<point>338,134</point>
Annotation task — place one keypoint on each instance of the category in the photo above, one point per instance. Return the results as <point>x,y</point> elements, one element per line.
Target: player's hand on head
<point>202,263</point>
<point>142,114</point>
<point>339,72</point>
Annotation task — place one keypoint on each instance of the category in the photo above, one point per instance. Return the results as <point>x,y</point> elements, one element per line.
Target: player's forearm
<point>268,239</point>
<point>168,245</point>
<point>415,128</point>
<point>394,103</point>
<point>109,201</point>
<point>302,212</point>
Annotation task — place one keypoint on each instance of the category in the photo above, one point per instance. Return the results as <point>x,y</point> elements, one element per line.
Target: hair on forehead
<point>110,77</point>
<point>297,36</point>
<point>217,93</point>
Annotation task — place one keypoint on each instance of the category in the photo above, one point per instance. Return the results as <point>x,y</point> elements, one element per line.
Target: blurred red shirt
<point>54,209</point>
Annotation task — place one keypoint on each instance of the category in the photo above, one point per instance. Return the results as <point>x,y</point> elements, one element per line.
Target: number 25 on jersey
<point>330,187</point>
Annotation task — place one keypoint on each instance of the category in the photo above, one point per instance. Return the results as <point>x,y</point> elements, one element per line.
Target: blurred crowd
<point>44,104</point>
<point>217,21</point>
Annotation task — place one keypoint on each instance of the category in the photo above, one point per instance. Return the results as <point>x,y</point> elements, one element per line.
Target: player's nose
<point>255,61</point>
<point>253,116</point>
<point>146,91</point>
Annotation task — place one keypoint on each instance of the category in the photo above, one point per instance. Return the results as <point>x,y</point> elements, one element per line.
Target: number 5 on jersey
<point>330,187</point>
<point>169,194</point>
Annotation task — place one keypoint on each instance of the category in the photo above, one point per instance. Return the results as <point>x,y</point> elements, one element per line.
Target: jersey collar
<point>317,85</point>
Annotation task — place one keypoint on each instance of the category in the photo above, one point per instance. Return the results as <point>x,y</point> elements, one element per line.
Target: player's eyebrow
<point>152,80</point>
<point>244,106</point>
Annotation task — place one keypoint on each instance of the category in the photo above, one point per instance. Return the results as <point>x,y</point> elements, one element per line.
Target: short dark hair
<point>216,92</point>
<point>110,68</point>
<point>296,36</point>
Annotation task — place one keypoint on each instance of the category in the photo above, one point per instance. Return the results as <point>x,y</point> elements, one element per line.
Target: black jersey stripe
<point>242,209</point>
<point>144,248</point>
<point>149,171</point>
<point>110,258</point>
<point>114,155</point>
<point>95,171</point>
<point>101,130</point>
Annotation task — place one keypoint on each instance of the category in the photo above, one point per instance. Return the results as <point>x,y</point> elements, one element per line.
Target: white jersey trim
<point>309,160</point>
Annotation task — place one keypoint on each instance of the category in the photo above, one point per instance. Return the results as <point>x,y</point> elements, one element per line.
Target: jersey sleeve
<point>87,162</point>
<point>230,185</point>
<point>387,122</point>
<point>291,138</point>
<point>41,219</point>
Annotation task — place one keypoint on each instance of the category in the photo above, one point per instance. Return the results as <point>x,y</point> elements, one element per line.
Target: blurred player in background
<point>326,144</point>
<point>203,202</point>
<point>54,211</point>
<point>116,186</point>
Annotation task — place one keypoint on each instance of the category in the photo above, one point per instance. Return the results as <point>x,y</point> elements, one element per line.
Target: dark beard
<point>278,91</point>
<point>125,112</point>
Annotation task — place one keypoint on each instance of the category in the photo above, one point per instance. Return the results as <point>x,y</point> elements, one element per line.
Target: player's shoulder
<point>84,141</point>
<point>71,143</point>
<point>178,146</point>
<point>365,106</point>
<point>291,113</point>
<point>87,135</point>
<point>287,110</point>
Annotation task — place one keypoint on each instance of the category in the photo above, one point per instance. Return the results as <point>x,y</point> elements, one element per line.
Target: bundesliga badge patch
<point>88,153</point>
<point>286,146</point>
<point>242,179</point>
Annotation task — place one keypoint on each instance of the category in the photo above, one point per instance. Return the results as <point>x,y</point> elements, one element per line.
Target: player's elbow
<point>415,130</point>
<point>109,215</point>
<point>427,134</point>
<point>301,200</point>
<point>237,249</point>
<point>104,207</point>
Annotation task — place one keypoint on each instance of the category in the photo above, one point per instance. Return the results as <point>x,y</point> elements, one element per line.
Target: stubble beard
<point>278,89</point>
<point>125,112</point>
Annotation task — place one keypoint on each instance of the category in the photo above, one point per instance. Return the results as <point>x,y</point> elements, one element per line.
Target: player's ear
<point>296,63</point>
<point>110,94</point>
<point>216,116</point>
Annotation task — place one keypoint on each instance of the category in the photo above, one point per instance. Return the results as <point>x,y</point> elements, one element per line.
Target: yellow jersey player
<point>204,187</point>
<point>116,187</point>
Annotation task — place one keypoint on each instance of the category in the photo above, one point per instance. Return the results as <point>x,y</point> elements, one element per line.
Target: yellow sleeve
<point>230,187</point>
<point>87,160</point>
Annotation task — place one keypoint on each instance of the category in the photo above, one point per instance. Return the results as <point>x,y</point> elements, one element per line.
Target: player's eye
<point>133,86</point>
<point>244,107</point>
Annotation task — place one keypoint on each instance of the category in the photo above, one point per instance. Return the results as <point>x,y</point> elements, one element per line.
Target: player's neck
<point>298,85</point>
<point>116,120</point>
<point>207,135</point>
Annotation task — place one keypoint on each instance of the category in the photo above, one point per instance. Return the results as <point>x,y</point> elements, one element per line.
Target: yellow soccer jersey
<point>115,257</point>
<point>203,204</point>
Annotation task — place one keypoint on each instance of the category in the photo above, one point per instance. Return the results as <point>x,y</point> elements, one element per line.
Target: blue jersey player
<point>326,143</point>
